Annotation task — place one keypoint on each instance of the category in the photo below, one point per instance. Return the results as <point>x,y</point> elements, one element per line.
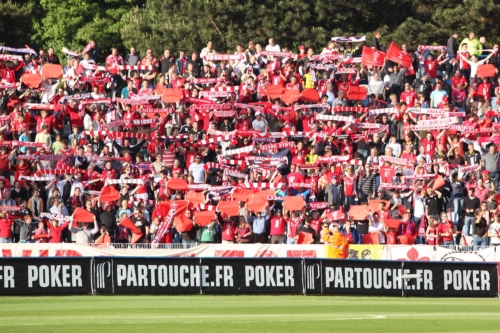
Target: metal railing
<point>143,246</point>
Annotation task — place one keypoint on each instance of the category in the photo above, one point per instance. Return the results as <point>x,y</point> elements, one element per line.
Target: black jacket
<point>452,46</point>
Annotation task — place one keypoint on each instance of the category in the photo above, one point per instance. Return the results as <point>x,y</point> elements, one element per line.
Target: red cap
<point>302,47</point>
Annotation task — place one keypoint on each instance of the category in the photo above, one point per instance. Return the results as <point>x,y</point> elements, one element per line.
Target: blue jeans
<point>348,201</point>
<point>363,153</point>
<point>5,240</point>
<point>479,242</point>
<point>446,243</point>
<point>185,243</point>
<point>495,177</point>
<point>290,240</point>
<point>457,208</point>
<point>26,241</point>
<point>468,225</point>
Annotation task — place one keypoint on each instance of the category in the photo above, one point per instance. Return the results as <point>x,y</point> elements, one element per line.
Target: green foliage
<point>174,24</point>
<point>14,23</point>
<point>73,23</point>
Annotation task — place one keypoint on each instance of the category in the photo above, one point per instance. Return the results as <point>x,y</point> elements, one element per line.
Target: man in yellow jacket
<point>473,45</point>
<point>336,245</point>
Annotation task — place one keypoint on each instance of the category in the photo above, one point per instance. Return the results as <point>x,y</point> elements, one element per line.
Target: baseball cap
<point>258,113</point>
<point>302,47</point>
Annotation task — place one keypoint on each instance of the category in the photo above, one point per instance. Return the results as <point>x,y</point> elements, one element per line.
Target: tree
<point>73,23</point>
<point>13,27</point>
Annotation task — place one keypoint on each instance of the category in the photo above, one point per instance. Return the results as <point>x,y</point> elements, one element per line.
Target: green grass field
<point>247,314</point>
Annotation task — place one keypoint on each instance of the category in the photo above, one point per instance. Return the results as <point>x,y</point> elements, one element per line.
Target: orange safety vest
<point>337,246</point>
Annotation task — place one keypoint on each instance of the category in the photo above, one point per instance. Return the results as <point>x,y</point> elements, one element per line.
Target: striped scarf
<point>22,50</point>
<point>56,217</point>
<point>265,159</point>
<point>240,163</point>
<point>333,159</point>
<point>37,106</point>
<point>213,165</point>
<point>37,179</point>
<point>115,135</point>
<point>8,57</point>
<point>334,118</point>
<point>108,158</point>
<point>237,151</point>
<point>96,101</point>
<point>134,68</point>
<point>213,140</point>
<point>224,114</point>
<point>206,80</point>
<point>156,110</point>
<point>280,145</point>
<point>235,174</point>
<point>205,207</point>
<point>51,157</point>
<point>383,111</point>
<point>263,185</point>
<point>246,106</point>
<point>144,201</point>
<point>131,101</point>
<point>124,181</point>
<point>61,171</point>
<point>10,208</point>
<point>317,205</point>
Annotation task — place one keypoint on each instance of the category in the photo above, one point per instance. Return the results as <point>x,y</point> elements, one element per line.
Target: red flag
<point>375,204</point>
<point>31,80</point>
<point>204,218</point>
<point>177,184</point>
<point>83,216</point>
<point>52,71</point>
<point>230,208</point>
<point>290,96</point>
<point>109,193</point>
<point>370,238</point>
<point>484,71</point>
<point>357,93</point>
<point>392,223</point>
<point>310,95</point>
<point>438,182</point>
<point>371,57</point>
<point>257,204</point>
<point>395,54</point>
<point>359,213</point>
<point>195,197</point>
<point>305,238</point>
<point>294,203</point>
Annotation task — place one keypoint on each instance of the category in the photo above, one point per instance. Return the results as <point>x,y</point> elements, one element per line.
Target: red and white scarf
<point>280,145</point>
<point>206,80</point>
<point>124,181</point>
<point>237,151</point>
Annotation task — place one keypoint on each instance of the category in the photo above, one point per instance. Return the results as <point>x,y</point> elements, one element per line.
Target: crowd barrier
<point>215,276</point>
<point>366,252</point>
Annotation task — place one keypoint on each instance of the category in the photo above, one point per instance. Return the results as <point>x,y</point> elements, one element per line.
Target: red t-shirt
<point>431,68</point>
<point>349,184</point>
<point>444,228</point>
<point>409,97</point>
<point>277,226</point>
<point>429,145</point>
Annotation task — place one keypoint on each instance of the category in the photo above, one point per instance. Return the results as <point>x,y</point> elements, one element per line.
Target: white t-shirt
<point>198,172</point>
<point>275,48</point>
<point>494,229</point>
<point>259,125</point>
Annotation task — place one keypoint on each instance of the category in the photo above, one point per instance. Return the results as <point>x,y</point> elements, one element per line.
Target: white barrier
<point>368,252</point>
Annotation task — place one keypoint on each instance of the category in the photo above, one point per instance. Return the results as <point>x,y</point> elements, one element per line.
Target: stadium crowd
<point>262,145</point>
